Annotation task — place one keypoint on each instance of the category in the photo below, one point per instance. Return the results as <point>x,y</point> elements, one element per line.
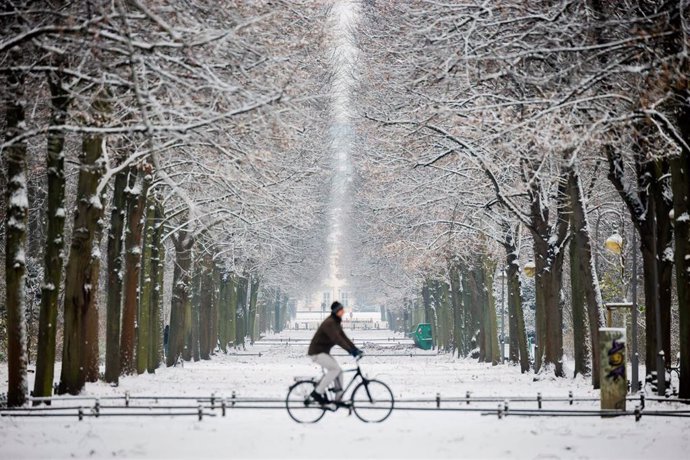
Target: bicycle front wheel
<point>372,401</point>
<point>300,406</point>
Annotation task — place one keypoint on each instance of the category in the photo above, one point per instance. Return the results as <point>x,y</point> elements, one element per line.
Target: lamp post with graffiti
<point>614,244</point>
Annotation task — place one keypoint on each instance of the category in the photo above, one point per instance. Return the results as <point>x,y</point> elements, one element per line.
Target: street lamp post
<point>614,244</point>
<point>635,359</point>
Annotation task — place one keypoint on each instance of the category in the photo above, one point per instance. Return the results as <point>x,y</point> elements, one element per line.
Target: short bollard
<point>570,397</point>
<point>126,398</point>
<point>539,400</point>
<point>213,400</point>
<point>201,412</point>
<point>467,397</point>
<point>438,400</point>
<point>97,408</point>
<point>223,406</point>
<point>81,414</point>
<point>500,411</point>
<point>232,404</point>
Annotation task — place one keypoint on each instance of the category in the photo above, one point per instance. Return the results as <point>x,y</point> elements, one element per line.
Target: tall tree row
<point>126,96</point>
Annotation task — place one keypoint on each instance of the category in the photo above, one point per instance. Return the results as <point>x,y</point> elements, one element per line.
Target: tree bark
<point>15,240</point>
<point>213,334</point>
<point>79,282</point>
<point>276,308</point>
<point>253,297</point>
<point>90,356</point>
<point>680,168</point>
<point>241,321</point>
<point>195,341</point>
<point>115,277</point>
<point>494,353</point>
<point>157,276</point>
<point>577,285</point>
<point>204,307</point>
<point>457,306</point>
<point>663,198</point>
<point>136,207</point>
<point>223,308</point>
<point>548,239</point>
<point>55,244</point>
<point>232,310</point>
<point>590,282</point>
<point>147,283</point>
<point>518,336</point>
<point>180,308</point>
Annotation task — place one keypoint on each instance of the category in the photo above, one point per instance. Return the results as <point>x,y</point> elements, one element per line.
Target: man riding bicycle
<point>329,334</point>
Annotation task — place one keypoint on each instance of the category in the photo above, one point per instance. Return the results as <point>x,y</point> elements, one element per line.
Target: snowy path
<point>271,434</point>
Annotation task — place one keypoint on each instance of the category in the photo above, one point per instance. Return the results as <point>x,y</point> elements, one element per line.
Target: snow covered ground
<point>272,434</point>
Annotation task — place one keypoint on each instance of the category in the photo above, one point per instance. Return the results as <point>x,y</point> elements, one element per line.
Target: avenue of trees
<point>157,171</point>
<point>171,164</point>
<point>507,134</point>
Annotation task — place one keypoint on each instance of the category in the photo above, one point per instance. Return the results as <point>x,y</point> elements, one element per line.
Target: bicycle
<point>371,400</point>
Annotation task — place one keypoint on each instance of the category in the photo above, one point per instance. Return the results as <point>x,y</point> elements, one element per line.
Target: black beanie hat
<point>335,306</point>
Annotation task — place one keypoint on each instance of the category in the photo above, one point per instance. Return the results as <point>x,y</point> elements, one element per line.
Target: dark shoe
<point>318,398</point>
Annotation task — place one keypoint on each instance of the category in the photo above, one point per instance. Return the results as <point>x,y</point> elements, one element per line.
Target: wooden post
<point>613,375</point>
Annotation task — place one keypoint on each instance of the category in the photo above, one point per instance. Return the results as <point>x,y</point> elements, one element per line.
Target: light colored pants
<point>333,373</point>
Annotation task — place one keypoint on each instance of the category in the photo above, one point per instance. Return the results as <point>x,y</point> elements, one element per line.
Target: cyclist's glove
<point>356,352</point>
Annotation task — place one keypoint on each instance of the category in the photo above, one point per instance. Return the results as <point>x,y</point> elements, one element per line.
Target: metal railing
<point>141,405</point>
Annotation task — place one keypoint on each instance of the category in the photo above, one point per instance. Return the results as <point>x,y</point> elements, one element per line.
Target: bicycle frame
<point>355,378</point>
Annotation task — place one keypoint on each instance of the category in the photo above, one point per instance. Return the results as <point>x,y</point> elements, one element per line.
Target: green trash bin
<point>422,336</point>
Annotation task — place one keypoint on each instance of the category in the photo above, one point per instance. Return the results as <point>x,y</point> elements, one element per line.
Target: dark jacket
<point>329,334</point>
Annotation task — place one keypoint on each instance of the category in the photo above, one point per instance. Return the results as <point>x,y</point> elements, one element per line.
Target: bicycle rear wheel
<point>372,401</point>
<point>300,407</point>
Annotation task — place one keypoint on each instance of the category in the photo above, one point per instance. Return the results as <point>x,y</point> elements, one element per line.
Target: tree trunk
<point>156,304</point>
<point>232,310</point>
<point>680,168</point>
<point>663,198</point>
<point>15,242</point>
<point>489,268</point>
<point>590,281</point>
<point>195,345</point>
<point>79,285</point>
<point>518,336</point>
<point>457,306</point>
<point>136,207</point>
<point>115,276</point>
<point>204,307</point>
<point>223,308</point>
<point>514,297</point>
<point>548,258</point>
<point>54,258</point>
<point>426,299</point>
<point>213,333</point>
<point>180,297</point>
<point>641,204</point>
<point>147,283</point>
<point>276,311</point>
<point>90,356</point>
<point>254,295</point>
<point>241,322</point>
<point>577,285</point>
<point>472,326</point>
